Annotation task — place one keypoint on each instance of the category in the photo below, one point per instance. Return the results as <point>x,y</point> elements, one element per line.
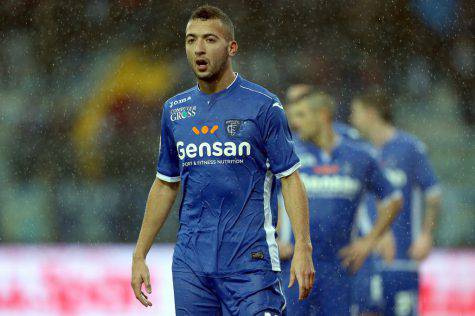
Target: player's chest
<point>208,122</point>
<point>332,179</point>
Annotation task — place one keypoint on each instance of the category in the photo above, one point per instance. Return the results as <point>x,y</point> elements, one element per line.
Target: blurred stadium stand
<point>82,83</point>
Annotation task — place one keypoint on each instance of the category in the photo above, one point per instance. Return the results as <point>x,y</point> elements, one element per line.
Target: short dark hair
<point>209,12</point>
<point>378,99</point>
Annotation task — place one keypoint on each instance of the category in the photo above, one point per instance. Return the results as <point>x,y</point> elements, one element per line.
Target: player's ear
<point>232,48</point>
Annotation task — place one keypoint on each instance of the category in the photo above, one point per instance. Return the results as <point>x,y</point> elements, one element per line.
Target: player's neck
<point>382,133</point>
<point>326,141</point>
<point>224,80</point>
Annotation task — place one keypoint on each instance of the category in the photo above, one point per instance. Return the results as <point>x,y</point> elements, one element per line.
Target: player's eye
<point>190,40</point>
<point>211,40</point>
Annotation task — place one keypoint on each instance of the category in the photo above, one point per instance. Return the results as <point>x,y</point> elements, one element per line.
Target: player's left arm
<point>283,163</point>
<point>296,205</point>
<point>354,255</point>
<point>425,178</point>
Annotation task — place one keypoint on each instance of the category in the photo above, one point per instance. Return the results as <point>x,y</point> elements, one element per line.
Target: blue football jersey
<point>407,166</point>
<point>227,149</point>
<point>335,187</point>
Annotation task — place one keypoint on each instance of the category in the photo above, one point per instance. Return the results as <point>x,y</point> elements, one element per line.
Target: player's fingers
<point>303,281</point>
<point>136,285</point>
<point>346,262</point>
<point>311,278</point>
<point>148,286</point>
<point>144,299</point>
<point>139,295</point>
<point>343,251</point>
<point>356,264</point>
<point>303,290</point>
<point>292,278</point>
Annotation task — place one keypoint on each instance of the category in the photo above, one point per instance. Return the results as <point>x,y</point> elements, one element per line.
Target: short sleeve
<point>168,164</point>
<point>378,183</point>
<point>423,172</point>
<point>278,141</point>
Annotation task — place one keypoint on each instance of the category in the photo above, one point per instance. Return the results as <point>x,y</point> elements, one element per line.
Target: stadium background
<point>81,89</point>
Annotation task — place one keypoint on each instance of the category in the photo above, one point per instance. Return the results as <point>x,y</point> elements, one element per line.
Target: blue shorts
<point>367,288</point>
<point>400,292</point>
<point>331,293</point>
<point>382,289</point>
<point>253,293</point>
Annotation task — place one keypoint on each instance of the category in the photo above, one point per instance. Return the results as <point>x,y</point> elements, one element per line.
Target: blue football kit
<point>336,184</point>
<point>394,287</point>
<point>227,149</point>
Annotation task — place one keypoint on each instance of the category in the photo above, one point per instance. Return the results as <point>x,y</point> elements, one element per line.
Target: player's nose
<point>200,48</point>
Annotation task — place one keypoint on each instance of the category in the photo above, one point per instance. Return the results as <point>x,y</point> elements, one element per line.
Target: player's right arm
<point>390,204</point>
<point>159,203</point>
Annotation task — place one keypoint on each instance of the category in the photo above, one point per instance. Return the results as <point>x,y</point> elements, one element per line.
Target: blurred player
<point>226,140</point>
<point>406,164</point>
<point>298,91</point>
<point>336,173</point>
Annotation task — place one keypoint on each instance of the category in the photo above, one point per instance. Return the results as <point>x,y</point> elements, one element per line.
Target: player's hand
<point>285,251</point>
<point>386,247</point>
<point>354,255</point>
<point>302,269</point>
<point>421,247</point>
<point>140,274</point>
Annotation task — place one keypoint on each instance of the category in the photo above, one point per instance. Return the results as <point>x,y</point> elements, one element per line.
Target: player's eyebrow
<point>204,35</point>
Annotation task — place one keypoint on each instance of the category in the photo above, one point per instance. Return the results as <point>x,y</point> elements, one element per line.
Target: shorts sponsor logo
<point>257,255</point>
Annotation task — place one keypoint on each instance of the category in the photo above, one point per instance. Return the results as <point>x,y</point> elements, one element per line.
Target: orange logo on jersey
<point>204,130</point>
<point>326,169</point>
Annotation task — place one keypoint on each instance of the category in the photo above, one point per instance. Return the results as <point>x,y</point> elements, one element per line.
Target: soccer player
<point>225,140</point>
<point>298,91</point>
<point>337,173</point>
<point>406,164</point>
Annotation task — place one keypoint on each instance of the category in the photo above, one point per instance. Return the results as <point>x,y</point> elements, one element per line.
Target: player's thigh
<point>193,296</point>
<point>293,305</point>
<point>401,293</point>
<point>255,293</point>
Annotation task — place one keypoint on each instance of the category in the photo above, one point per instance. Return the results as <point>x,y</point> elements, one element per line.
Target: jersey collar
<point>231,87</point>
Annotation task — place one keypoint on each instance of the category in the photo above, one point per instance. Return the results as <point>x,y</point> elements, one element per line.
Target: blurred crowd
<point>82,85</point>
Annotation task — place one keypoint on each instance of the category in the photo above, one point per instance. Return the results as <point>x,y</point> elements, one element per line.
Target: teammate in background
<point>296,92</point>
<point>336,173</point>
<point>226,140</point>
<point>406,164</point>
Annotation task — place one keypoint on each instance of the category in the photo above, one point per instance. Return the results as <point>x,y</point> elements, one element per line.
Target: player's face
<point>305,120</point>
<point>207,48</point>
<point>359,117</point>
<point>290,111</point>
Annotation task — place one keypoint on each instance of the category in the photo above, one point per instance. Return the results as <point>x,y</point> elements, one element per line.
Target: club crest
<point>233,127</point>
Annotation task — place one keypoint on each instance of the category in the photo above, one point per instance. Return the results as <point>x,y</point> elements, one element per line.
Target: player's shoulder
<point>359,150</point>
<point>257,92</point>
<point>411,141</point>
<point>346,131</point>
<point>180,99</point>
